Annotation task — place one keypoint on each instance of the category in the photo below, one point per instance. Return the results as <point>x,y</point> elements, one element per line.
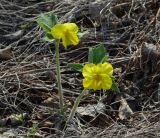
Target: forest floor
<point>130,32</point>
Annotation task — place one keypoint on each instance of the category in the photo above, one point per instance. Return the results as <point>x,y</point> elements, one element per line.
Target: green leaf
<point>45,38</point>
<point>49,35</point>
<point>105,58</point>
<point>47,21</point>
<point>81,34</point>
<point>33,130</point>
<point>44,27</point>
<point>76,66</point>
<point>48,38</point>
<point>115,86</point>
<point>97,54</point>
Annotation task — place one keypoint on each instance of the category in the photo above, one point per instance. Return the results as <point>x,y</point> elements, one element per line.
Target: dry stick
<point>26,72</point>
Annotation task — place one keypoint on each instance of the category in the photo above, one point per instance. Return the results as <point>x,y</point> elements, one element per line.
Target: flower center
<point>97,77</point>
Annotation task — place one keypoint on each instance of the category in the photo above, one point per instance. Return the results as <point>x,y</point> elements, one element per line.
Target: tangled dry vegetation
<point>130,30</point>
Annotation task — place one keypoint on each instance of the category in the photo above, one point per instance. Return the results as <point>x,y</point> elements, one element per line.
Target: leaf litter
<point>130,33</point>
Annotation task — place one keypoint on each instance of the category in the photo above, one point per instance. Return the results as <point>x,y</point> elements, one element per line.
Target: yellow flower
<point>98,76</point>
<point>67,32</point>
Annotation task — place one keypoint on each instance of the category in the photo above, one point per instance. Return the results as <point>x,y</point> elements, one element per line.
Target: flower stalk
<point>73,111</point>
<point>60,91</point>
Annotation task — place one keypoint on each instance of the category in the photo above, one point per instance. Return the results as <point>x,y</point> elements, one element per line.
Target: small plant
<point>55,32</point>
<point>97,73</point>
<point>34,129</point>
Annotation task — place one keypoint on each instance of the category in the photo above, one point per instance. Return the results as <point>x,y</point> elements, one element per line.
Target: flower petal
<point>58,31</point>
<point>106,83</point>
<point>87,83</point>
<point>66,41</point>
<point>73,38</point>
<point>87,70</point>
<point>97,85</point>
<point>69,38</point>
<point>106,68</point>
<point>71,27</point>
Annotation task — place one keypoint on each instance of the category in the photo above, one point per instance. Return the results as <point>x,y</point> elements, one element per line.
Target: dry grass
<point>130,31</point>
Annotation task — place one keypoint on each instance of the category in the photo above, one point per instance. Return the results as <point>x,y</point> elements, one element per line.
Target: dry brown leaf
<point>125,111</point>
<point>6,53</point>
<point>91,110</point>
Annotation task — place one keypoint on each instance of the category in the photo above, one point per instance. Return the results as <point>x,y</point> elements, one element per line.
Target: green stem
<point>60,92</point>
<point>73,111</point>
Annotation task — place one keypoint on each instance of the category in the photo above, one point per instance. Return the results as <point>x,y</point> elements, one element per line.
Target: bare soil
<point>130,31</point>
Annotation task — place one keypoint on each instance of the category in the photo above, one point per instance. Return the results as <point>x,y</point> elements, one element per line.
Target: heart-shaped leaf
<point>47,21</point>
<point>97,54</point>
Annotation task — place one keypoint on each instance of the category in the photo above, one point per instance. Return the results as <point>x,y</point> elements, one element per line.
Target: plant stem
<point>60,92</point>
<point>73,111</point>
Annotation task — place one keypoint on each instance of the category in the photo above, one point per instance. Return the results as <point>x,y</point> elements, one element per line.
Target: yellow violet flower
<point>67,32</point>
<point>97,76</point>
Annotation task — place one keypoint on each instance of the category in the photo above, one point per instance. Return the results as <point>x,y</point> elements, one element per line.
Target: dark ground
<point>130,31</point>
